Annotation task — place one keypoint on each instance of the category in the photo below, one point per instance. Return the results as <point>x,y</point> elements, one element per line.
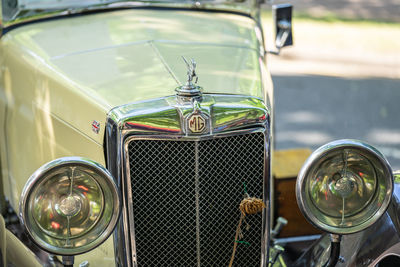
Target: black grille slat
<point>163,180</point>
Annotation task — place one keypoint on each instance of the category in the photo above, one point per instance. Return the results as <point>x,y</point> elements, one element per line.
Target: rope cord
<point>249,205</point>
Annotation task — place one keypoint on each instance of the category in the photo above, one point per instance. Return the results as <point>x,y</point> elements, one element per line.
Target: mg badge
<point>196,123</point>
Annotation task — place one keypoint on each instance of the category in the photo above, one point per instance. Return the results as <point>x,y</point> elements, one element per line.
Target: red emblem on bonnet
<point>96,126</point>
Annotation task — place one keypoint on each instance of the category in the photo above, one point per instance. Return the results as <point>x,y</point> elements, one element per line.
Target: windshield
<point>15,11</point>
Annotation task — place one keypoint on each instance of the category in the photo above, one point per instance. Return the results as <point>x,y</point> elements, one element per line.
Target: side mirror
<point>283,25</point>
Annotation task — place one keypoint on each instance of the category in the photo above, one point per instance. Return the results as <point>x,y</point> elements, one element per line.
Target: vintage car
<point>139,133</point>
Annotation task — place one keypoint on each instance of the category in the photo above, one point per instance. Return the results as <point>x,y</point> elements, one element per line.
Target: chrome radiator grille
<point>185,199</point>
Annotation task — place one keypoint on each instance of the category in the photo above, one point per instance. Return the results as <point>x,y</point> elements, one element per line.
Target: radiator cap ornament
<point>190,89</point>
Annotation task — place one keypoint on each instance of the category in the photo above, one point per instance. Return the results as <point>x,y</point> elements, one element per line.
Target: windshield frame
<point>24,16</point>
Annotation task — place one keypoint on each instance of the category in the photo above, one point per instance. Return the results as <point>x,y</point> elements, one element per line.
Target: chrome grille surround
<point>144,121</point>
<point>183,213</point>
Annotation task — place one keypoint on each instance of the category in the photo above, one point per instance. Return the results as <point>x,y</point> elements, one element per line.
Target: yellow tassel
<point>251,205</point>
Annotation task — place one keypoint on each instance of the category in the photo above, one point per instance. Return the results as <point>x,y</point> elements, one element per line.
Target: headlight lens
<point>70,205</point>
<point>344,187</point>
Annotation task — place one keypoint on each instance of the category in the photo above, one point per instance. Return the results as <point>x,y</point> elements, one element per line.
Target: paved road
<point>381,10</point>
<point>340,80</point>
<point>312,110</point>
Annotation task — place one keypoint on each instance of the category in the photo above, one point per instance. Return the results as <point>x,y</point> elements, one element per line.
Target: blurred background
<point>341,79</point>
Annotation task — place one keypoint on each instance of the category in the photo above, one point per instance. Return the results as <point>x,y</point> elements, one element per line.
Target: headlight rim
<point>316,157</point>
<point>42,173</point>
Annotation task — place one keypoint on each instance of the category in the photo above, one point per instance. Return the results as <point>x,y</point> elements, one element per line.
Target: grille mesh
<point>163,179</point>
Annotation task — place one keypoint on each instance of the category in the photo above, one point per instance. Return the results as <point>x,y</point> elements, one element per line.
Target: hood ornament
<point>190,89</point>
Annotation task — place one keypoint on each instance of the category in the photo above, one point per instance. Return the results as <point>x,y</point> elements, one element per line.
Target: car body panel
<point>16,253</point>
<point>153,69</point>
<point>101,256</point>
<point>61,75</point>
<point>59,53</point>
<point>101,69</point>
<point>2,241</point>
<point>12,249</point>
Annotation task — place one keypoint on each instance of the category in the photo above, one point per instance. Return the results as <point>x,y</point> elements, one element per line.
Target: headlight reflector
<point>70,206</point>
<point>344,187</point>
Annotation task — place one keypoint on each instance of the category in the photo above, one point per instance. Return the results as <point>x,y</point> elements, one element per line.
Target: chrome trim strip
<point>266,227</point>
<point>197,178</point>
<point>294,239</point>
<point>114,161</point>
<point>128,200</point>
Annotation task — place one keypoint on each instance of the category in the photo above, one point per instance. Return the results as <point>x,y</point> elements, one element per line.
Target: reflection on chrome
<point>344,186</point>
<point>70,205</point>
<point>341,181</point>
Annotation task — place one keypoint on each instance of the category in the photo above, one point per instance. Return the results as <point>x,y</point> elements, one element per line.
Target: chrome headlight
<point>70,206</point>
<point>344,186</point>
